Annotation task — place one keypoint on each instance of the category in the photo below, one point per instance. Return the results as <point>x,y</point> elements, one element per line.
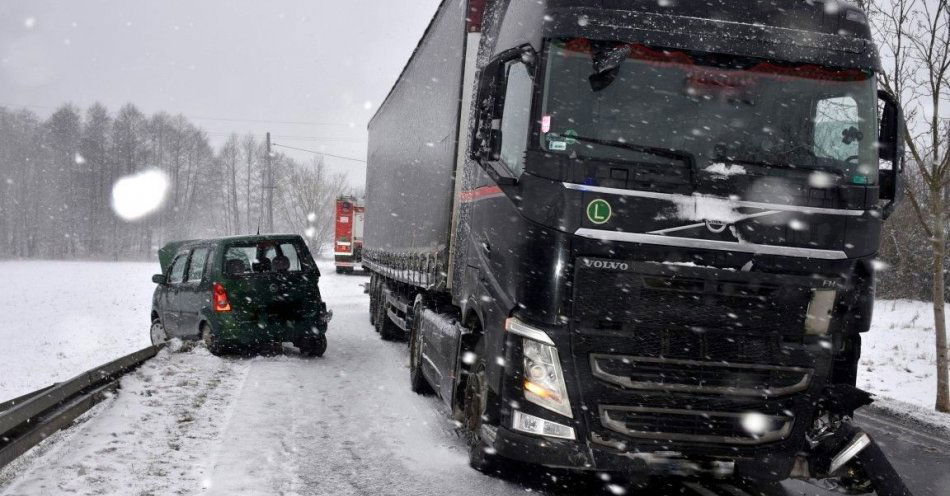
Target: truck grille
<point>673,300</point>
<point>693,426</point>
<point>689,376</point>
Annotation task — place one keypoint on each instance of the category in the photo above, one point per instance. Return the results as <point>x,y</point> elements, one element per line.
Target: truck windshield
<point>718,109</point>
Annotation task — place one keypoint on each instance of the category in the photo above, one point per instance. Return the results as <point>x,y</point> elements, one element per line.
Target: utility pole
<point>270,189</point>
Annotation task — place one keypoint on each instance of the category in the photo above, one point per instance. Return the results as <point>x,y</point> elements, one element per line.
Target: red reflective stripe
<point>480,193</point>
<point>476,15</point>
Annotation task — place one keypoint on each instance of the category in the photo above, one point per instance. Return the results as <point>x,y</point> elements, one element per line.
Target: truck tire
<point>417,380</point>
<point>378,308</point>
<point>372,298</point>
<point>475,408</point>
<point>388,330</point>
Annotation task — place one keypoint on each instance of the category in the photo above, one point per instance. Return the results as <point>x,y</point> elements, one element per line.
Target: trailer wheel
<point>475,409</point>
<point>373,281</point>
<point>388,330</point>
<point>417,381</point>
<point>379,310</point>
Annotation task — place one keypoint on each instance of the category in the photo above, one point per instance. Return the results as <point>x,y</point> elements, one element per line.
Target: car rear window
<point>265,257</point>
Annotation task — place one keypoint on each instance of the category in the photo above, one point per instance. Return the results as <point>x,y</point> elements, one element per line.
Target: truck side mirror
<point>160,279</point>
<point>891,149</point>
<point>481,138</point>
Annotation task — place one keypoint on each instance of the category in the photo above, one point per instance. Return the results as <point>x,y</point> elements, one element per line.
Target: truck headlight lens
<point>818,317</point>
<point>543,378</point>
<point>535,425</point>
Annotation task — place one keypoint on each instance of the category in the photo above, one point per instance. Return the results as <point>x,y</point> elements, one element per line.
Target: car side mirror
<point>160,279</point>
<point>891,149</point>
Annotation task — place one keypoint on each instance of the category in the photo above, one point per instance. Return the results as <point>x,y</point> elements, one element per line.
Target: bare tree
<point>308,203</point>
<point>915,40</point>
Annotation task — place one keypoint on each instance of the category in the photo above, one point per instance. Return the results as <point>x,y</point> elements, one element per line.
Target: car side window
<point>199,260</point>
<point>516,116</point>
<point>177,273</point>
<point>290,251</point>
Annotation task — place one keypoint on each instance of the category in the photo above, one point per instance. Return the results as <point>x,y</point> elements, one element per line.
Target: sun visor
<point>711,35</point>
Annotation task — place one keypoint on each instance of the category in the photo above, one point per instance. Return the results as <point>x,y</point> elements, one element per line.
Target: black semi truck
<point>637,236</point>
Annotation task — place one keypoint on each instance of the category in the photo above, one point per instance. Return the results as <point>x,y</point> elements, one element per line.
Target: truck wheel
<point>157,333</point>
<point>372,299</point>
<point>417,381</point>
<point>388,330</point>
<point>379,310</point>
<point>210,340</point>
<point>475,409</point>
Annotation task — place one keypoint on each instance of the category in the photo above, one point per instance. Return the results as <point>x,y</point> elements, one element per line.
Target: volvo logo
<point>606,264</point>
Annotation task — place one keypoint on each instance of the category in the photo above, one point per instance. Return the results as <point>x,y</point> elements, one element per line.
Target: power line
<point>202,118</point>
<point>320,153</point>
<point>297,138</point>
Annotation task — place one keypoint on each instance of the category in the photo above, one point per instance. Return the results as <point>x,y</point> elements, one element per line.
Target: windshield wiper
<point>652,150</point>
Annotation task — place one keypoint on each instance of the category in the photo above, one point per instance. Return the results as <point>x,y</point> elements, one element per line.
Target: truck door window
<point>516,116</point>
<point>196,270</point>
<point>837,128</point>
<point>177,273</point>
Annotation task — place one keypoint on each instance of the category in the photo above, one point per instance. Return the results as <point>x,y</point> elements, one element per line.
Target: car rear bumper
<point>237,333</point>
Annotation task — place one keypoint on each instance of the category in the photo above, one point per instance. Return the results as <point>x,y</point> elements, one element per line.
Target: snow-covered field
<point>58,319</point>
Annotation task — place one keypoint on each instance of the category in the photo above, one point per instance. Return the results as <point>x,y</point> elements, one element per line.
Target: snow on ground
<point>155,437</point>
<point>898,359</point>
<point>58,319</point>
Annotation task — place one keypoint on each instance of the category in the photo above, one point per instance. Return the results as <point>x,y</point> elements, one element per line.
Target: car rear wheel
<point>210,340</point>
<point>315,347</point>
<point>157,333</point>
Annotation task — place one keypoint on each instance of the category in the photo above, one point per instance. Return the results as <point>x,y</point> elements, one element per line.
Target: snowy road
<point>346,424</point>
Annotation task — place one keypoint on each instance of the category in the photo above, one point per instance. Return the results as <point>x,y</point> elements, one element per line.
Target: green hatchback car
<point>240,293</point>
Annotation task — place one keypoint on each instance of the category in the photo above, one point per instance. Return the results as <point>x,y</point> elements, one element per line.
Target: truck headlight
<point>543,377</point>
<point>818,317</point>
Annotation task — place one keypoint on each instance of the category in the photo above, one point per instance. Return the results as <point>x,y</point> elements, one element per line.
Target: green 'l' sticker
<point>599,211</point>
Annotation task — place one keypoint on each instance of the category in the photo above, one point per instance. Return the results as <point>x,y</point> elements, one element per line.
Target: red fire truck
<point>348,244</point>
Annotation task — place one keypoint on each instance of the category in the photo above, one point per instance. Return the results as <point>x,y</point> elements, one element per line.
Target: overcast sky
<point>222,63</point>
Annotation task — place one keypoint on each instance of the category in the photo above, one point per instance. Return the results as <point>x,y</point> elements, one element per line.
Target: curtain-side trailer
<point>635,235</point>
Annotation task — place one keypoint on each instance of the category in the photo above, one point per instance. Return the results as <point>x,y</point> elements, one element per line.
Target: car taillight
<point>220,296</point>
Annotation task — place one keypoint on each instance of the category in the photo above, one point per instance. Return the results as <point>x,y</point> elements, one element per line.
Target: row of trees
<point>57,175</point>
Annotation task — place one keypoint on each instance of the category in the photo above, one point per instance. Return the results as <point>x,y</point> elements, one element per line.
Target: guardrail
<point>29,419</point>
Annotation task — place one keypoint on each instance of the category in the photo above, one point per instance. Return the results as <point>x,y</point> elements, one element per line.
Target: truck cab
<point>682,250</point>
